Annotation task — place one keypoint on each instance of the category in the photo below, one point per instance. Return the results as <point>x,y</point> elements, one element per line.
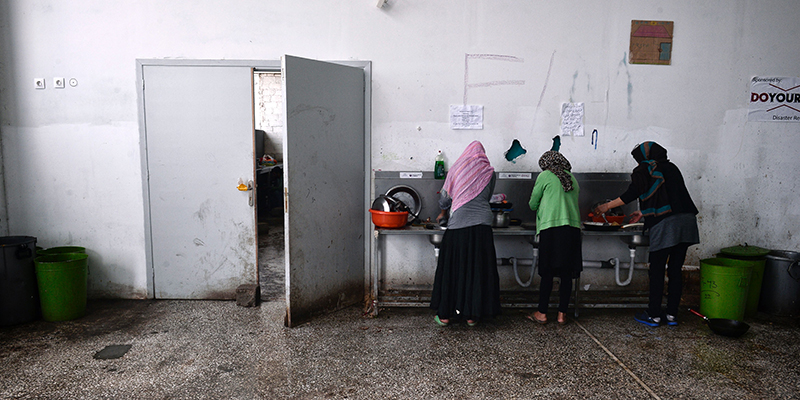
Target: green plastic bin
<point>724,286</point>
<point>756,258</point>
<point>62,285</point>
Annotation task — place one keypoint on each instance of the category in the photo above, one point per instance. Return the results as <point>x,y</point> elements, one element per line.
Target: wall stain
<point>326,116</point>
<point>624,65</point>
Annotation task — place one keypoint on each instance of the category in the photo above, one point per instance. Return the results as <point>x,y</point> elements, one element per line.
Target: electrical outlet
<point>38,83</point>
<point>58,83</point>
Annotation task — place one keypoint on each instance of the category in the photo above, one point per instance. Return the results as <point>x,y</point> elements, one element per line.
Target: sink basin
<point>636,240</point>
<point>436,239</point>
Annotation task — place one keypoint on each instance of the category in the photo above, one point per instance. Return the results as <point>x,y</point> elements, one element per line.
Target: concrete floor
<point>218,350</point>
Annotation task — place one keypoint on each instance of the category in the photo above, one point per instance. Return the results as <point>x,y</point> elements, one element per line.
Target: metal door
<point>199,143</point>
<point>324,186</point>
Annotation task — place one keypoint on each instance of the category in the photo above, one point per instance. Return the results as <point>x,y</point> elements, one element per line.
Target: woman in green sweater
<point>558,224</point>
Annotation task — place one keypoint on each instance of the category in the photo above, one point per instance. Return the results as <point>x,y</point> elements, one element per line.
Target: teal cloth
<point>556,143</point>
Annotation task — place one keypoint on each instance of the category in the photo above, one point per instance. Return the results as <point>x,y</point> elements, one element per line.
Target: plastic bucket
<point>19,294</point>
<point>724,285</point>
<point>781,294</point>
<point>755,257</point>
<point>62,285</point>
<point>62,249</point>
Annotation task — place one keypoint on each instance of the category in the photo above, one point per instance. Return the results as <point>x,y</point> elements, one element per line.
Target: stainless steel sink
<point>436,239</point>
<point>635,240</point>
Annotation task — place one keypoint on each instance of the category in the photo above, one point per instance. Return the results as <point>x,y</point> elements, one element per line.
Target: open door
<point>198,144</point>
<point>324,186</point>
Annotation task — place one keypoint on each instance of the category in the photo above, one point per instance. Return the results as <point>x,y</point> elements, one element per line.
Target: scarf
<point>468,176</point>
<point>654,201</point>
<point>556,163</point>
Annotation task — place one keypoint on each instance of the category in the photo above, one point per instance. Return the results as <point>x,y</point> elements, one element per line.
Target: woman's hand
<point>440,216</point>
<point>635,217</point>
<point>603,208</point>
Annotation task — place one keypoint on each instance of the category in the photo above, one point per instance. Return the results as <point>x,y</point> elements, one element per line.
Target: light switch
<point>38,83</point>
<point>58,83</point>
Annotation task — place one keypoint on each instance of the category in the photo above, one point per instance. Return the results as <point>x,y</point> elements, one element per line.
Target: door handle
<point>247,188</point>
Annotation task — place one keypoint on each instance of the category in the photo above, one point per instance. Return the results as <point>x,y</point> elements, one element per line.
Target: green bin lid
<point>744,251</point>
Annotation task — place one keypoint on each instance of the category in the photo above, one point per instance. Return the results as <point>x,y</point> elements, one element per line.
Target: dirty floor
<point>158,349</point>
<point>218,350</point>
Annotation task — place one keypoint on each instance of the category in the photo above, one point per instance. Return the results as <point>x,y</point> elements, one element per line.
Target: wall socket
<point>59,83</point>
<point>38,83</point>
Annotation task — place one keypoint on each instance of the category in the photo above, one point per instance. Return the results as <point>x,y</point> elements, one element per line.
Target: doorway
<point>268,113</point>
<point>197,139</point>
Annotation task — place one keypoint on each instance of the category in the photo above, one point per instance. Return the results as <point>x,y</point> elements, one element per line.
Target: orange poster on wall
<point>651,42</point>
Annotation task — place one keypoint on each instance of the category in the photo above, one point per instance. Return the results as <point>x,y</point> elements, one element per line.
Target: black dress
<point>467,283</point>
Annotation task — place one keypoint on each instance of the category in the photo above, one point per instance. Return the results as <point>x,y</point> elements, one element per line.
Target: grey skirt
<point>673,230</point>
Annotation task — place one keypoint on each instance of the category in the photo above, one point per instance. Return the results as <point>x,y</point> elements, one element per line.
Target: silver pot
<point>386,203</point>
<point>501,219</point>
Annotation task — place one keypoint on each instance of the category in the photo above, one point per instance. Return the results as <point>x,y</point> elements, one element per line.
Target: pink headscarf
<point>469,175</point>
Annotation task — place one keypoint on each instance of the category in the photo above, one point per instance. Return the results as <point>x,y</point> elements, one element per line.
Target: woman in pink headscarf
<point>467,284</point>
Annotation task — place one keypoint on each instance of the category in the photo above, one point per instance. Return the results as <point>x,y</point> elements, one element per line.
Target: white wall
<point>71,156</point>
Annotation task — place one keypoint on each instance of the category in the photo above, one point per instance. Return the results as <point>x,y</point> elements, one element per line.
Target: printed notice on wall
<point>651,42</point>
<point>466,117</point>
<point>572,119</point>
<point>774,99</point>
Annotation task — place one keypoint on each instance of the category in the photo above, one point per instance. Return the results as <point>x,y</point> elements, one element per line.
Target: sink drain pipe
<point>532,262</point>
<point>630,269</point>
<point>533,270</point>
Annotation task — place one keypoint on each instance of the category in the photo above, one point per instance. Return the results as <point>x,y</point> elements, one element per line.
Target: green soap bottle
<point>438,166</point>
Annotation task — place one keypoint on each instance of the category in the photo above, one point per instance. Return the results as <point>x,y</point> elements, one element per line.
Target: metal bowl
<point>409,197</point>
<point>385,203</point>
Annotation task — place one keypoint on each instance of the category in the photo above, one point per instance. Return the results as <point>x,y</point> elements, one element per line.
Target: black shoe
<point>646,319</point>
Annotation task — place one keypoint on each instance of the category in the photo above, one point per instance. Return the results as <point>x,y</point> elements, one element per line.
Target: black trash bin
<point>19,291</point>
<point>781,294</point>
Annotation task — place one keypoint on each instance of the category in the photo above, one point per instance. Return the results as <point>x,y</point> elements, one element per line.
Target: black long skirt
<point>560,252</point>
<point>467,283</point>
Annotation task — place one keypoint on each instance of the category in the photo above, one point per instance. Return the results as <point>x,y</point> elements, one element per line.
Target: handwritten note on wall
<point>466,117</point>
<point>572,119</point>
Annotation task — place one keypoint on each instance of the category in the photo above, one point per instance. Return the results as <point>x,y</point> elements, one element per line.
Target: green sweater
<point>554,207</point>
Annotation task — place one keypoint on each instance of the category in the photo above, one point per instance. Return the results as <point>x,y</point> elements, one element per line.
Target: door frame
<point>258,66</point>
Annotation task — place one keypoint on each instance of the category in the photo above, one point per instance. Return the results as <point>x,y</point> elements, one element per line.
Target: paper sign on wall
<point>466,117</point>
<point>572,119</point>
<point>774,99</point>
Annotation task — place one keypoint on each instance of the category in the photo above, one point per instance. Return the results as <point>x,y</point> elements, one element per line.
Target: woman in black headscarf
<point>670,217</point>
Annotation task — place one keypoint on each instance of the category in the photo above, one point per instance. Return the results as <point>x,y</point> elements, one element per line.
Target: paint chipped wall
<point>72,162</point>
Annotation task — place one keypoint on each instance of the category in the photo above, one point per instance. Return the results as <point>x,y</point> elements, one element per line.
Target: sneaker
<point>671,320</point>
<point>646,319</point>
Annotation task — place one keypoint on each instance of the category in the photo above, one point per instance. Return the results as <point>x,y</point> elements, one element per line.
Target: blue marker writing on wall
<point>594,138</point>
